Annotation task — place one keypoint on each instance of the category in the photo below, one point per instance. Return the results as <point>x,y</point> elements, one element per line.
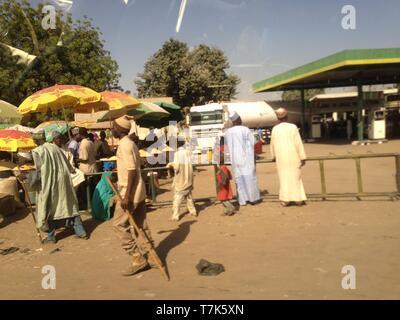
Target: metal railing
<point>324,194</point>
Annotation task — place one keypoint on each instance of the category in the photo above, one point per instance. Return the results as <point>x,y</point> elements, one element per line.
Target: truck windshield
<point>209,117</point>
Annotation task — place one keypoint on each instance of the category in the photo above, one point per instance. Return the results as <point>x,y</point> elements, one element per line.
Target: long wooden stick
<point>142,234</point>
<point>31,209</point>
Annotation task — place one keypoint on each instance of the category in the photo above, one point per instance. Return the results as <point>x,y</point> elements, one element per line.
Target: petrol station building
<point>329,112</point>
<point>348,68</point>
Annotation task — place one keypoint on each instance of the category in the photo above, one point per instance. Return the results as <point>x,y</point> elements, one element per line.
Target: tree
<point>295,95</point>
<point>72,53</point>
<point>9,67</point>
<point>188,76</point>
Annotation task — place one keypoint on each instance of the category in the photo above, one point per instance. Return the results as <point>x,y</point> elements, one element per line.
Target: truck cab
<point>207,122</point>
<point>206,125</point>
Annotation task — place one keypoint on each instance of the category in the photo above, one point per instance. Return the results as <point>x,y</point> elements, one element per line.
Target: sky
<point>261,38</point>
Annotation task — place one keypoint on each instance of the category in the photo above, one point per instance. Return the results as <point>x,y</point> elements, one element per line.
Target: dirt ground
<point>269,252</point>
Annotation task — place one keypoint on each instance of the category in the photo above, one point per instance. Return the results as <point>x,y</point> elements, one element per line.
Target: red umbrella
<point>13,141</point>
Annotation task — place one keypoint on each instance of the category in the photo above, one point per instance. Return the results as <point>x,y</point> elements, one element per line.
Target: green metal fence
<point>324,194</point>
<point>360,193</point>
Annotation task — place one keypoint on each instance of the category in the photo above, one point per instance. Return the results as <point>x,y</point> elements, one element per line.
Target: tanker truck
<point>207,122</point>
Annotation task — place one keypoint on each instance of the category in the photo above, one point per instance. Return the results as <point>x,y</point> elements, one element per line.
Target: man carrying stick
<point>132,189</point>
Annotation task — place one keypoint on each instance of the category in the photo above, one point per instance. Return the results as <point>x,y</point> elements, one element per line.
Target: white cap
<point>281,113</point>
<point>234,116</point>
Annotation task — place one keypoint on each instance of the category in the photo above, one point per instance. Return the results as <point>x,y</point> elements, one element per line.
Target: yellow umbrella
<point>110,101</point>
<point>112,105</point>
<point>13,141</point>
<point>58,97</point>
<point>54,122</point>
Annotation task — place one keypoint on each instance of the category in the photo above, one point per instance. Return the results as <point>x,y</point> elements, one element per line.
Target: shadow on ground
<point>14,218</point>
<point>174,239</point>
<point>90,225</point>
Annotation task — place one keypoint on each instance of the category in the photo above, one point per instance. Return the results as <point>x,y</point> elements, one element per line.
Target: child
<point>183,181</point>
<point>224,187</point>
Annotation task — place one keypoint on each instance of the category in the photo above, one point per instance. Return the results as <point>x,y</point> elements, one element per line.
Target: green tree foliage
<point>8,69</point>
<point>81,58</point>
<point>294,95</point>
<point>188,76</point>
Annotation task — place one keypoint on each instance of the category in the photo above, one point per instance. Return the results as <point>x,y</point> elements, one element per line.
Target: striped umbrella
<point>173,109</point>
<point>145,110</point>
<point>58,97</point>
<point>13,141</point>
<point>111,106</point>
<point>50,126</point>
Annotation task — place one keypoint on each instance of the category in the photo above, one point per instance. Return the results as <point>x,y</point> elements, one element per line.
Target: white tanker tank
<point>253,114</point>
<point>207,122</point>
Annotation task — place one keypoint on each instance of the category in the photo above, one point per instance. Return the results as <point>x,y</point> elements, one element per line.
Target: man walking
<point>240,142</point>
<point>288,151</point>
<point>183,180</point>
<point>133,193</point>
<point>57,204</point>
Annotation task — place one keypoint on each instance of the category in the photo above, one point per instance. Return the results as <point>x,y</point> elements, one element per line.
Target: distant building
<point>335,108</point>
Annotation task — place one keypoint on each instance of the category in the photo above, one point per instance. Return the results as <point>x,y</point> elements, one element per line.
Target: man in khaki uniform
<point>87,153</point>
<point>132,189</point>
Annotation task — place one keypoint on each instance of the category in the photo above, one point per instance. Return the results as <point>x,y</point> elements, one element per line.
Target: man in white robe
<point>240,145</point>
<point>288,151</point>
<point>183,180</point>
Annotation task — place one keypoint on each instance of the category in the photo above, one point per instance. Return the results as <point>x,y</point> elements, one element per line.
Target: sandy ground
<point>269,252</point>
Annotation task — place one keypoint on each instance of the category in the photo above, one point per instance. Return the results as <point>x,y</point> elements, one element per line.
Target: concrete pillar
<point>360,120</point>
<point>303,114</point>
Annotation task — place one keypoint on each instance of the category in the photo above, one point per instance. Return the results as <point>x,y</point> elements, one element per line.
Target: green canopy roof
<point>167,105</point>
<point>173,109</point>
<point>345,68</point>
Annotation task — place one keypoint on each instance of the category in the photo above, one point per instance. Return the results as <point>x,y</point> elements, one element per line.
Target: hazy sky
<point>260,37</point>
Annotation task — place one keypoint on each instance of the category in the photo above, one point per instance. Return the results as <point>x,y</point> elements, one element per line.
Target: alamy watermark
<point>49,280</point>
<point>349,20</point>
<point>349,280</point>
<point>49,21</point>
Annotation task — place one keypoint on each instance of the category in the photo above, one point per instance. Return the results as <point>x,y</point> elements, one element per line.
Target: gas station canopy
<point>342,69</point>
